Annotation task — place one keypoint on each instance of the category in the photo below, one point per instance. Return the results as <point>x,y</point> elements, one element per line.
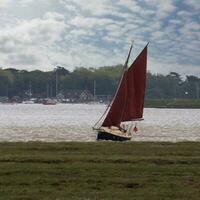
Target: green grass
<point>172,103</point>
<point>101,170</point>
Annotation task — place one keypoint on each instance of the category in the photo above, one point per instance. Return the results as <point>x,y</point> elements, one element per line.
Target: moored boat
<point>49,102</point>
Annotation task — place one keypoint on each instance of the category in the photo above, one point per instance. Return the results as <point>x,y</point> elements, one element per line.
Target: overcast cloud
<point>40,34</point>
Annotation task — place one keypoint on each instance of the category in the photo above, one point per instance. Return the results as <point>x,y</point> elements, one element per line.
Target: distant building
<point>4,99</point>
<point>16,99</point>
<point>78,96</point>
<point>60,97</point>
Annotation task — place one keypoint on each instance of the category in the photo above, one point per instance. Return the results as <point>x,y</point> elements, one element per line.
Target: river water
<point>73,122</point>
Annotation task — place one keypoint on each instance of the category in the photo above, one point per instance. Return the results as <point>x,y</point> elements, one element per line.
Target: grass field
<point>101,170</point>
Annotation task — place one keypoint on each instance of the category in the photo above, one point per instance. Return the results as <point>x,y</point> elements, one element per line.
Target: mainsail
<point>128,102</point>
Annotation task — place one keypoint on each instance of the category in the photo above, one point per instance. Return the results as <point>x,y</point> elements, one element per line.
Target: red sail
<point>115,113</point>
<point>129,100</point>
<point>136,82</point>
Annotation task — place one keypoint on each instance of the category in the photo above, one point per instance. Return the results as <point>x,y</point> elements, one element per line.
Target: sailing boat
<point>29,93</point>
<point>128,102</point>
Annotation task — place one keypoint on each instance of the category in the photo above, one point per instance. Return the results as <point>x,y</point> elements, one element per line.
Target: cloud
<point>22,59</point>
<point>99,32</point>
<point>36,31</point>
<point>194,4</point>
<point>90,22</point>
<point>30,37</point>
<point>89,7</point>
<point>163,8</point>
<point>4,3</point>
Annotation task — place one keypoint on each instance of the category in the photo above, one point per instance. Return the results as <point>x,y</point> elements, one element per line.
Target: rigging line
<point>110,104</point>
<point>125,73</point>
<point>129,53</point>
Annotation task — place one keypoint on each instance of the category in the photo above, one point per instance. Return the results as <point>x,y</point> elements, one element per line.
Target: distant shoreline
<point>156,103</point>
<point>173,103</point>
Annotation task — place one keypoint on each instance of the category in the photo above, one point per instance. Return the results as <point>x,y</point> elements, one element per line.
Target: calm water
<point>73,122</point>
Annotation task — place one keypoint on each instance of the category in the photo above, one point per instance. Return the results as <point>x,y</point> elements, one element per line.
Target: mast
<point>56,83</point>
<point>122,76</point>
<point>128,102</point>
<point>30,90</point>
<point>129,53</point>
<point>94,90</point>
<point>47,90</point>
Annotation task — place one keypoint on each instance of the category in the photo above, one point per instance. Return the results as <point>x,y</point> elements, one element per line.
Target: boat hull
<point>102,135</point>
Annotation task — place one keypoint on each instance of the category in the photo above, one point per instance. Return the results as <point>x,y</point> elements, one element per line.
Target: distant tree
<point>61,70</point>
<point>15,82</point>
<point>174,83</point>
<point>192,86</point>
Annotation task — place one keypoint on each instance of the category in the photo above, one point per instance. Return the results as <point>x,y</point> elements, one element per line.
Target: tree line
<point>15,82</point>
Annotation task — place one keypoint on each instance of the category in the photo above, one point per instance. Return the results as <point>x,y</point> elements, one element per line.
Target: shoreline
<point>173,103</point>
<point>151,103</point>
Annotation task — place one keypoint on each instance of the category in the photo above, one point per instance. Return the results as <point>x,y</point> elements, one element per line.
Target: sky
<point>42,34</point>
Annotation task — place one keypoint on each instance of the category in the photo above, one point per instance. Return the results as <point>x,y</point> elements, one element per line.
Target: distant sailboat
<point>128,102</point>
<point>28,93</point>
<point>48,100</point>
